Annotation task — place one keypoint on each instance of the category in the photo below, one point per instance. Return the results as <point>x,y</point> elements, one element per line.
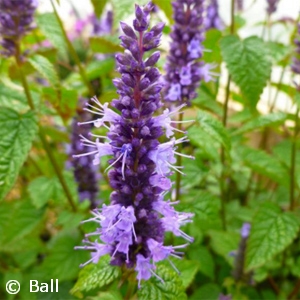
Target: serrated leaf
<point>103,45</point>
<point>98,6</point>
<point>249,64</point>
<point>214,128</point>
<point>17,132</point>
<point>95,276</point>
<point>277,51</point>
<point>261,122</point>
<point>50,27</point>
<point>45,68</point>
<point>170,289</point>
<point>271,232</point>
<point>166,7</point>
<point>63,261</point>
<point>17,219</point>
<point>265,164</point>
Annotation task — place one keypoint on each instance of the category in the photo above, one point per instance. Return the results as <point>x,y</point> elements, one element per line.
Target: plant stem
<point>293,162</point>
<point>295,291</point>
<point>42,134</point>
<point>73,53</point>
<point>179,163</point>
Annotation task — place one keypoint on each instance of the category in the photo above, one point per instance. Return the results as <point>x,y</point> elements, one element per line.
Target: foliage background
<point>245,168</point>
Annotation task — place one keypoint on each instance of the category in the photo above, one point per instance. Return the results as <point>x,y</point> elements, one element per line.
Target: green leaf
<point>249,65</point>
<point>166,7</point>
<point>104,45</point>
<point>214,128</point>
<point>209,291</point>
<point>205,259</point>
<point>99,68</point>
<point>265,164</point>
<point>123,9</point>
<point>95,276</point>
<point>98,6</point>
<point>17,219</point>
<point>50,27</point>
<point>188,270</point>
<point>17,132</point>
<point>261,122</point>
<point>278,51</point>
<point>45,68</point>
<point>212,41</point>
<point>63,261</point>
<point>170,289</point>
<point>272,231</point>
<point>223,243</point>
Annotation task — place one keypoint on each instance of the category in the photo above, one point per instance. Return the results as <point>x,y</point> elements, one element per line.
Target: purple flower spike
<point>213,19</point>
<point>133,226</point>
<point>85,172</point>
<point>296,59</point>
<point>16,19</point>
<point>272,6</point>
<point>182,67</point>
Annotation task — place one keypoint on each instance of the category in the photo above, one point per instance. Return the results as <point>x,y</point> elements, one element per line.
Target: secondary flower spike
<point>85,172</point>
<point>183,68</point>
<point>212,19</point>
<point>16,17</point>
<point>296,59</point>
<point>272,6</point>
<point>132,228</point>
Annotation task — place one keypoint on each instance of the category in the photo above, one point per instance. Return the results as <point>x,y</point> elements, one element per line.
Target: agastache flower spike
<point>184,71</point>
<point>16,19</point>
<point>85,172</point>
<point>133,226</point>
<point>213,19</point>
<point>272,6</point>
<point>296,59</point>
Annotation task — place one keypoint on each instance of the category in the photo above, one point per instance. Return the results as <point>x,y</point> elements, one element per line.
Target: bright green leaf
<point>170,289</point>
<point>271,232</point>
<point>17,132</point>
<point>188,270</point>
<point>265,164</point>
<point>18,219</point>
<point>249,64</point>
<point>214,128</point>
<point>95,276</point>
<point>98,6</point>
<point>166,7</point>
<point>45,68</point>
<point>223,243</point>
<point>104,45</point>
<point>50,27</point>
<point>261,122</point>
<point>63,261</point>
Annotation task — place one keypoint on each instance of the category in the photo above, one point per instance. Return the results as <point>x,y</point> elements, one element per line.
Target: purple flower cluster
<point>103,25</point>
<point>272,6</point>
<point>183,70</point>
<point>16,17</point>
<point>213,19</point>
<point>238,271</point>
<point>132,228</point>
<point>85,172</point>
<point>240,5</point>
<point>296,59</point>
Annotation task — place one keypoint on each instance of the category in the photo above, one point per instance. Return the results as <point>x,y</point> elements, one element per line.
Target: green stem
<point>293,162</point>
<point>179,163</point>
<point>42,134</point>
<point>73,53</point>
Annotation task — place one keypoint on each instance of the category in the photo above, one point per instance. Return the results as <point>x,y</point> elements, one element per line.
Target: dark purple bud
<point>152,60</point>
<point>157,29</point>
<point>145,82</point>
<point>128,80</point>
<point>148,36</point>
<point>135,114</point>
<point>128,30</point>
